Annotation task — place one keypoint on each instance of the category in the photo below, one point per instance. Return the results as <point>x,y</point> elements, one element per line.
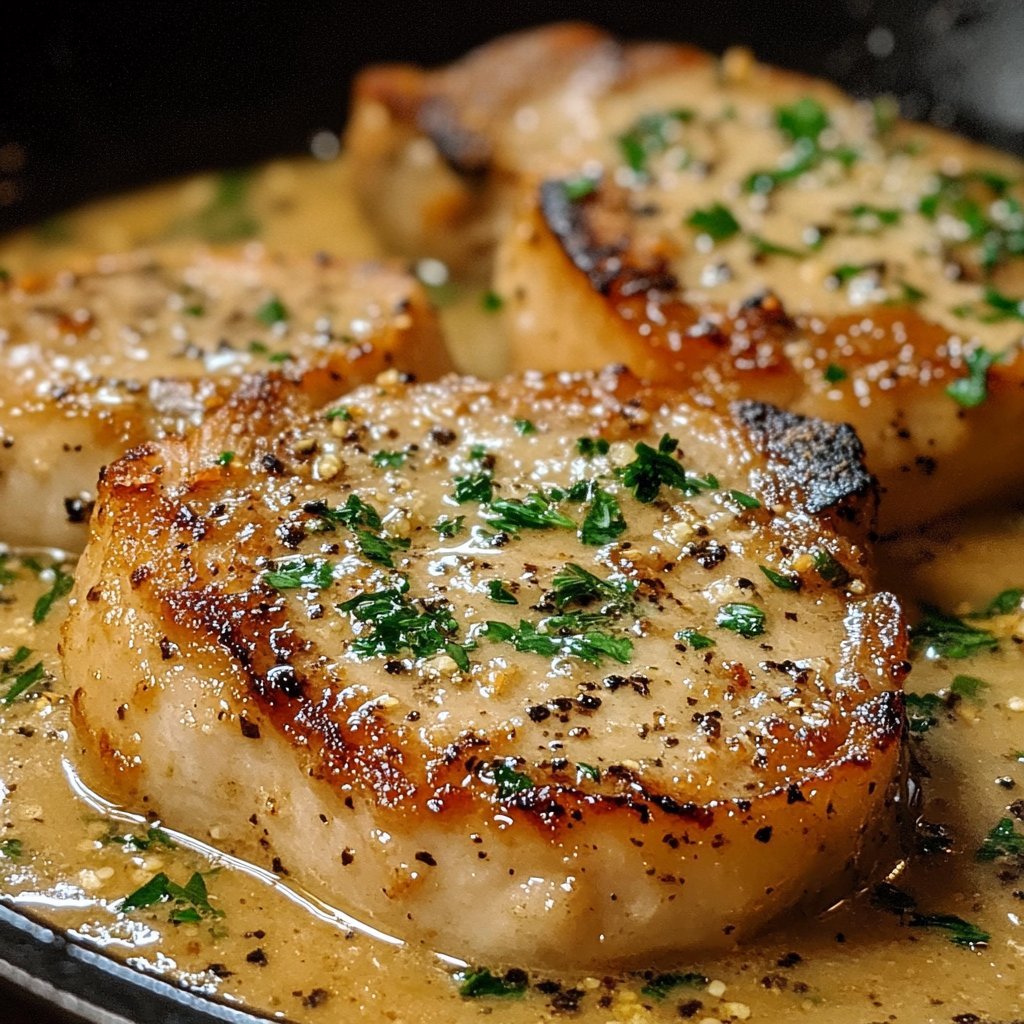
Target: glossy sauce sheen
<point>854,965</point>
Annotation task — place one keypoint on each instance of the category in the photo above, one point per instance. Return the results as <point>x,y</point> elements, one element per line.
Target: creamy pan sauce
<point>250,938</point>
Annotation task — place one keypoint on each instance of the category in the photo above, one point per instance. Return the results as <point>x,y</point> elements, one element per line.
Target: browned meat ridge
<point>555,671</point>
<point>139,346</point>
<point>731,229</point>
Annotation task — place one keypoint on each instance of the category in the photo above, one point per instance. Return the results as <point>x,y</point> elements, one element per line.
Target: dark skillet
<point>104,97</point>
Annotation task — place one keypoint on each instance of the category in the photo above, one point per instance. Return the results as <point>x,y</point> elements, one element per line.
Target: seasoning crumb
<point>256,956</point>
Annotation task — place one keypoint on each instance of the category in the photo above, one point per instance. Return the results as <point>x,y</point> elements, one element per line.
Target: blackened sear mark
<point>823,461</point>
<point>604,262</point>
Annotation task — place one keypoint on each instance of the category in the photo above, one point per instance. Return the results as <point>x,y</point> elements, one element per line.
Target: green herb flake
<point>389,460</point>
<point>923,710</point>
<point>272,312</point>
<point>588,447</point>
<point>939,635</point>
<point>497,592</point>
<point>379,548</point>
<point>23,683</point>
<point>587,771</point>
<point>479,982</point>
<point>910,294</point>
<point>746,619</point>
<point>692,638</point>
<point>661,985</point>
<point>804,119</point>
<point>397,624</point>
<point>132,842</point>
<point>478,487</point>
<point>190,902</point>
<point>834,373</point>
<point>970,687</point>
<point>882,216</point>
<point>763,247</point>
<point>715,221</point>
<point>961,932</point>
<point>507,781</point>
<point>227,217</point>
<point>579,188</point>
<point>1006,602</point>
<point>534,512</point>
<point>654,468</point>
<point>225,458</point>
<point>575,585</point>
<point>292,573</point>
<point>61,587</point>
<point>744,500</point>
<point>12,849</point>
<point>650,135</point>
<point>341,413</point>
<point>603,521</point>
<point>572,637</point>
<point>782,580</point>
<point>830,569</point>
<point>972,390</point>
<point>279,357</point>
<point>525,427</point>
<point>1003,841</point>
<point>491,301</point>
<point>447,527</point>
<point>846,272</point>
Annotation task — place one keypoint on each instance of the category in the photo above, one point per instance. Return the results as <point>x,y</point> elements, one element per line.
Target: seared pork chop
<point>728,228</point>
<point>141,346</point>
<point>555,671</point>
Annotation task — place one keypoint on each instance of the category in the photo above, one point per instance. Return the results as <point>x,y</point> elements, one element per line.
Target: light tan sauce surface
<point>66,857</point>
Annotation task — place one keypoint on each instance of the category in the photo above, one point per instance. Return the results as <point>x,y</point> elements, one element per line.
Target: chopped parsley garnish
<point>834,373</point>
<point>396,624</point>
<point>491,301</point>
<point>715,221</point>
<point>575,585</point>
<point>379,548</point>
<point>131,842</point>
<point>603,521</point>
<point>227,216</point>
<point>507,781</point>
<point>477,487</point>
<point>479,981</point>
<point>587,771</point>
<point>579,188</point>
<point>61,587</point>
<point>782,580</point>
<point>272,312</point>
<point>525,427</point>
<point>987,215</point>
<point>447,527</point>
<point>692,638</point>
<point>743,499</point>
<point>909,293</point>
<point>662,984</point>
<point>354,513</point>
<point>191,901</point>
<point>742,618</point>
<point>1006,602</point>
<point>591,446</point>
<point>804,119</point>
<point>24,681</point>
<point>1003,841</point>
<point>940,635</point>
<point>341,413</point>
<point>389,460</point>
<point>896,901</point>
<point>968,686</point>
<point>534,512</point>
<point>830,569</point>
<point>650,135</point>
<point>922,710</point>
<point>654,468</point>
<point>875,215</point>
<point>497,592</point>
<point>846,272</point>
<point>972,390</point>
<point>292,573</point>
<point>7,574</point>
<point>764,247</point>
<point>12,849</point>
<point>961,932</point>
<point>571,637</point>
<point>225,458</point>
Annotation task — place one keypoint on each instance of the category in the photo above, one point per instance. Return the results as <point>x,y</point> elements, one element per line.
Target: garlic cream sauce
<point>910,952</point>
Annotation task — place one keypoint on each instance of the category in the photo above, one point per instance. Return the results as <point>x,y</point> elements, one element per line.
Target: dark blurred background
<point>99,97</point>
